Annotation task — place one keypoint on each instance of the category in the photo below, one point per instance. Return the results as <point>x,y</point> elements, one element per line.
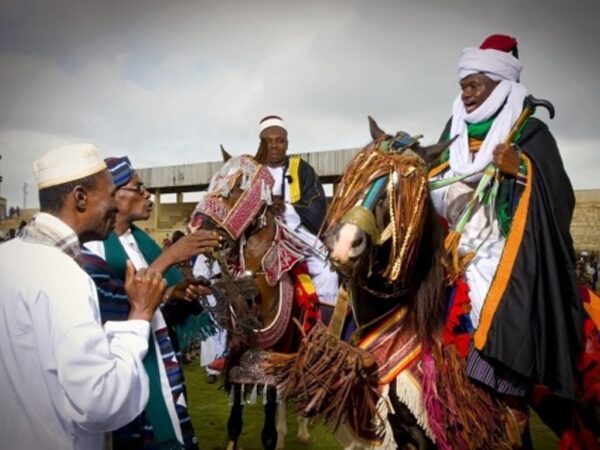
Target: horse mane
<point>416,257</point>
<point>407,194</point>
<point>262,153</point>
<point>426,314</point>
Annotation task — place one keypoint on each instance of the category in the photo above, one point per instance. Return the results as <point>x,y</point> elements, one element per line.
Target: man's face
<point>277,144</point>
<point>133,200</point>
<point>101,207</point>
<point>476,88</point>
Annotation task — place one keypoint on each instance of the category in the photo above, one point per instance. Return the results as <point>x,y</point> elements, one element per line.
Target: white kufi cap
<point>270,121</point>
<point>67,163</point>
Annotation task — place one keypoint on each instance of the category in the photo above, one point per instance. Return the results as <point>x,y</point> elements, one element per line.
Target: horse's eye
<point>356,242</point>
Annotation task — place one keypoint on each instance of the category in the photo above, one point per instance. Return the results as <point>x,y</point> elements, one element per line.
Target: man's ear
<point>80,196</point>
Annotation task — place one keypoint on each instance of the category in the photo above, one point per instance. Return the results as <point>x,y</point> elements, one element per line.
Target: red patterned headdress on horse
<point>256,183</point>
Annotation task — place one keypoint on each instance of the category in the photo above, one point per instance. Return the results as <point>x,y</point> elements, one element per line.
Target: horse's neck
<point>425,296</point>
<point>257,245</point>
<point>370,309</point>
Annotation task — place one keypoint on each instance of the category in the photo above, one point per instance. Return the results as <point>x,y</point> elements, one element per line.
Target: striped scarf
<point>49,230</point>
<point>165,423</point>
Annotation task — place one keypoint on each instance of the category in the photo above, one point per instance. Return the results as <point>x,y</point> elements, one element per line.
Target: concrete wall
<point>586,220</point>
<point>189,177</point>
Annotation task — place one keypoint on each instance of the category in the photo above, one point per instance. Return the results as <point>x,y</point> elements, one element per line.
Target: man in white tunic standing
<point>64,379</point>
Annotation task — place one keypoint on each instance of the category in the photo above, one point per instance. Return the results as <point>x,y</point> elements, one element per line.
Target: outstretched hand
<point>188,290</point>
<point>145,289</point>
<point>198,241</point>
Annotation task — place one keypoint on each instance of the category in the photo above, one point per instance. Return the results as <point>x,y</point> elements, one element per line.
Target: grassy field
<point>209,409</point>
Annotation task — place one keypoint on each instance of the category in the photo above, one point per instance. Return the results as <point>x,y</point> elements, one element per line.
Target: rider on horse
<point>526,310</point>
<point>299,197</point>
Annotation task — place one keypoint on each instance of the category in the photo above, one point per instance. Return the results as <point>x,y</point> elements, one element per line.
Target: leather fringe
<point>470,416</point>
<point>455,267</point>
<point>330,380</point>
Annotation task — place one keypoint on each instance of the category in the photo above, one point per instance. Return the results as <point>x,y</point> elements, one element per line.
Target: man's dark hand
<point>506,158</point>
<point>144,291</point>
<point>278,204</point>
<point>199,241</point>
<point>188,290</point>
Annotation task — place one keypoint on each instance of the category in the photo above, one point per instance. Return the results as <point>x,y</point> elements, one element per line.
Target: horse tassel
<point>460,415</point>
<point>457,263</point>
<point>330,380</point>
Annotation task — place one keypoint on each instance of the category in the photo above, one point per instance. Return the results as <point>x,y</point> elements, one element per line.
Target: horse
<point>400,381</point>
<point>255,293</point>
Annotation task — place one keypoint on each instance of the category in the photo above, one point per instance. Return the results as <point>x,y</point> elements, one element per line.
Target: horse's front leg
<point>235,422</point>
<point>269,431</point>
<point>303,434</point>
<point>281,425</point>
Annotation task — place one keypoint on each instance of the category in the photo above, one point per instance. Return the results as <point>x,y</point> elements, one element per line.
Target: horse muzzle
<point>346,244</point>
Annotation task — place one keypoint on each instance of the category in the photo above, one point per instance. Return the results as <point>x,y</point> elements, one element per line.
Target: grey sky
<point>166,82</point>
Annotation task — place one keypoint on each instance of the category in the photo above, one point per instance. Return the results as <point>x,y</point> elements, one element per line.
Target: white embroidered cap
<point>270,121</point>
<point>67,163</point>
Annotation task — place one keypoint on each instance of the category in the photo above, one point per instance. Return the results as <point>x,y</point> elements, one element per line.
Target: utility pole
<point>25,195</point>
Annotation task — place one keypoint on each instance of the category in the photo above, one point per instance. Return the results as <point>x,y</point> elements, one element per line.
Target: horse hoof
<point>231,446</point>
<point>303,438</point>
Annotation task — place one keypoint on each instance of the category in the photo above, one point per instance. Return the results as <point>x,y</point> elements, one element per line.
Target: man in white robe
<point>64,379</point>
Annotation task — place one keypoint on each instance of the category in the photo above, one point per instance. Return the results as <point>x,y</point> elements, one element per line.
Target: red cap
<point>500,42</point>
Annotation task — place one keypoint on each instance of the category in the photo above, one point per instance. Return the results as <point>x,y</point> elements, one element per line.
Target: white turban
<point>495,64</point>
<point>507,96</point>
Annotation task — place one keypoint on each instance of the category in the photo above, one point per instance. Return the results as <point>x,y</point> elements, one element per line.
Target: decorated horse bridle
<point>256,184</point>
<point>241,220</point>
<point>387,166</point>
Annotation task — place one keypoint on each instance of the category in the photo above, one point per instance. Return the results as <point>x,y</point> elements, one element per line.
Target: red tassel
<point>308,301</point>
<point>461,305</point>
<point>568,441</point>
<point>578,437</point>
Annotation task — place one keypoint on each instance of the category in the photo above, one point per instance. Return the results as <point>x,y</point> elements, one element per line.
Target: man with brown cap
<point>525,307</point>
<point>64,378</point>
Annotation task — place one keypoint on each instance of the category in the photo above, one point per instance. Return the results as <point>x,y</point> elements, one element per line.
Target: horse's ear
<point>376,132</point>
<point>226,156</point>
<point>431,152</point>
<point>262,153</point>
